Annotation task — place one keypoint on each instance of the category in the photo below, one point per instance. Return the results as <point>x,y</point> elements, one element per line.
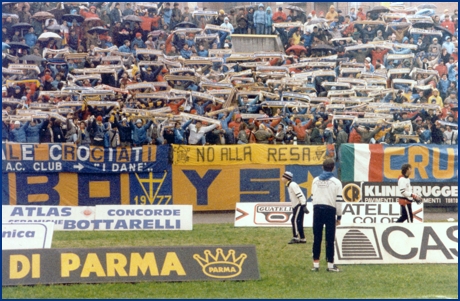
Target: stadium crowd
<point>103,75</point>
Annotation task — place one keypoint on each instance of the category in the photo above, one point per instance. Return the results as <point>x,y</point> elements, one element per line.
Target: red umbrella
<point>96,21</point>
<point>43,15</point>
<point>297,49</point>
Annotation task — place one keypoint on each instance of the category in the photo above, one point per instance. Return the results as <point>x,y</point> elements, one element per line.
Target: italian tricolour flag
<point>361,162</point>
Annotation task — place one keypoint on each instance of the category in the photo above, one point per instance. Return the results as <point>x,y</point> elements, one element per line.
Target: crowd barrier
<point>213,177</point>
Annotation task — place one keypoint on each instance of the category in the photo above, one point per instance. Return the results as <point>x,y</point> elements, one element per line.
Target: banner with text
<point>399,243</point>
<point>27,236</point>
<point>221,187</point>
<point>248,154</point>
<point>159,217</point>
<point>279,214</point>
<point>104,217</point>
<point>382,163</point>
<point>131,264</point>
<point>63,217</point>
<point>51,158</point>
<point>87,189</point>
<point>433,194</point>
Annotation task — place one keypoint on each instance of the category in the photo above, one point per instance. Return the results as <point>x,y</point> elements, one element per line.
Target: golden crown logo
<point>221,266</point>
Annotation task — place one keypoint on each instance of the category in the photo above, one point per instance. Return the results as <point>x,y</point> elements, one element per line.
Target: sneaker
<point>334,269</point>
<point>315,270</point>
<point>302,241</point>
<point>294,241</point>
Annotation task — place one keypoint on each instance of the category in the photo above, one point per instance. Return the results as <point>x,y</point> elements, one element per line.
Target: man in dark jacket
<point>315,137</point>
<point>115,14</point>
<point>436,133</point>
<point>125,132</point>
<point>242,22</point>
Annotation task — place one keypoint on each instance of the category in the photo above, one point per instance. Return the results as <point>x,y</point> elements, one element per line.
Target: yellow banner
<point>210,188</point>
<point>184,155</point>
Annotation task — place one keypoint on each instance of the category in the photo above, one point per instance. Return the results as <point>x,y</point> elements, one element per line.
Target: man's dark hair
<point>328,165</point>
<point>405,167</point>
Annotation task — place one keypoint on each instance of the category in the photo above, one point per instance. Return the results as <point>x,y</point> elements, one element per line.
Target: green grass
<point>284,270</point>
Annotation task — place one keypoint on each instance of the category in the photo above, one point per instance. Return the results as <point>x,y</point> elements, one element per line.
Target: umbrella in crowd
<point>323,47</point>
<point>445,31</point>
<point>185,25</point>
<point>423,24</point>
<point>156,33</point>
<point>132,18</point>
<point>295,8</point>
<point>49,36</point>
<point>379,9</point>
<point>54,27</point>
<point>70,18</point>
<point>318,21</point>
<point>15,45</point>
<point>297,49</point>
<point>21,27</point>
<point>32,57</point>
<point>427,6</point>
<point>43,15</point>
<point>98,30</point>
<point>426,12</point>
<point>94,20</point>
<point>5,46</point>
<point>12,16</point>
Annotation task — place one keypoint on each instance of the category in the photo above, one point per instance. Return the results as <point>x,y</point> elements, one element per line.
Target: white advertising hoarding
<point>398,243</point>
<point>104,217</point>
<point>279,214</point>
<point>27,236</point>
<point>65,218</point>
<point>158,217</point>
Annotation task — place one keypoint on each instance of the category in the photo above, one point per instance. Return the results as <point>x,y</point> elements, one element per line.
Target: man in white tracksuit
<point>407,197</point>
<point>299,207</point>
<point>326,194</point>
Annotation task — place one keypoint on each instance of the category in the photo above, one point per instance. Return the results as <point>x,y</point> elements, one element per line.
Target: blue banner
<point>86,189</point>
<point>53,158</point>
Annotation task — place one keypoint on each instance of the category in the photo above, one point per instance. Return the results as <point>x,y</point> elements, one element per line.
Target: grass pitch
<point>284,269</point>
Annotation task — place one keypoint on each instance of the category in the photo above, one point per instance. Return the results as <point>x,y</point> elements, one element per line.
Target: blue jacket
<point>190,43</point>
<point>224,122</point>
<point>451,73</point>
<point>167,15</point>
<point>33,132</point>
<point>138,42</point>
<point>200,109</point>
<point>425,136</point>
<point>268,17</point>
<point>98,131</point>
<point>186,54</point>
<point>203,53</point>
<point>115,16</point>
<point>179,134</point>
<point>140,134</point>
<point>443,85</point>
<point>250,107</point>
<point>308,39</point>
<point>259,17</point>
<point>19,134</point>
<point>31,39</point>
<point>124,48</point>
